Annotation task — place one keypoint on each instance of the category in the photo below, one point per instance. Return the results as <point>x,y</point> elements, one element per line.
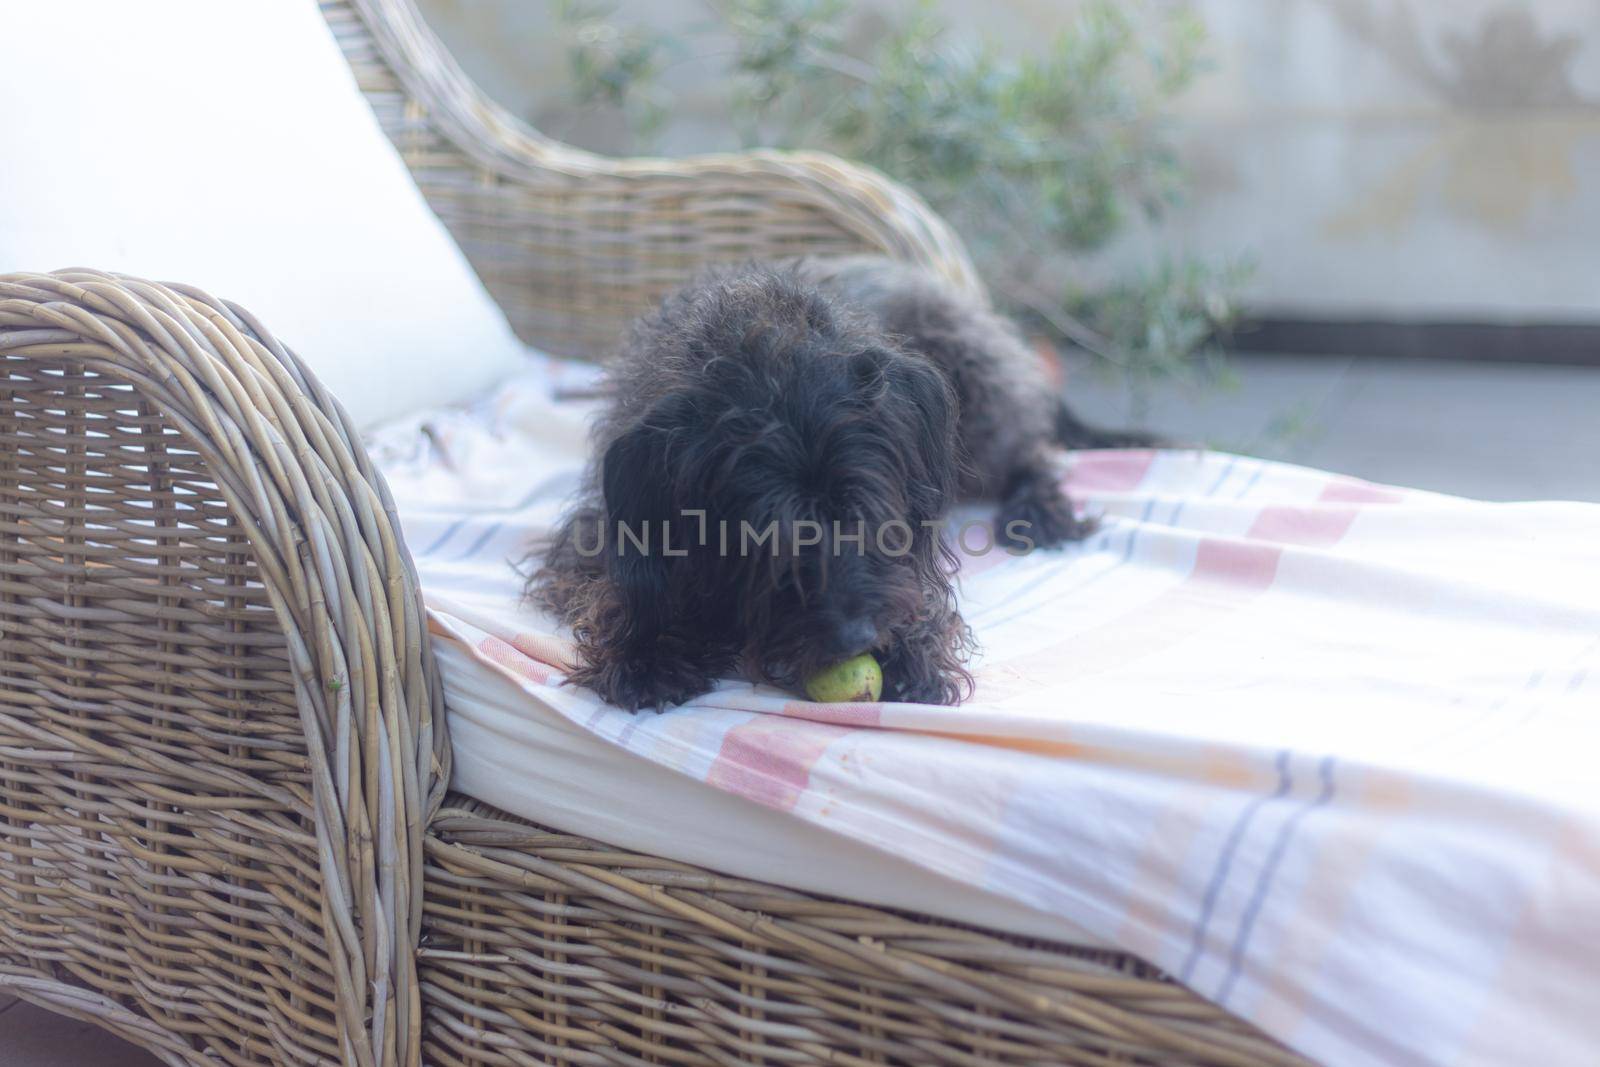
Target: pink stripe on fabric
<point>513,660</point>
<point>1247,565</point>
<point>1356,491</point>
<point>1315,527</point>
<point>1109,471</point>
<point>1318,525</point>
<point>769,758</point>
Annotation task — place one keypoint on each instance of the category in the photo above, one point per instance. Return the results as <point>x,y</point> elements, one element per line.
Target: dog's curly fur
<point>846,391</point>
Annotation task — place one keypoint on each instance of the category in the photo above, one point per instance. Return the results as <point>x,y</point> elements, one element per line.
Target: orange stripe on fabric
<point>1226,577</point>
<point>1148,920</point>
<point>841,714</point>
<point>1222,767</point>
<point>1332,884</point>
<point>1356,491</point>
<point>547,648</point>
<point>1547,969</point>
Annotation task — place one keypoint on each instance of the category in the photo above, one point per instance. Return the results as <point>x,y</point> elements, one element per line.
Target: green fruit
<point>854,680</point>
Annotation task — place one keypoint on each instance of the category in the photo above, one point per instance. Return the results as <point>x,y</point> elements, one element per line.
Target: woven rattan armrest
<point>221,731</point>
<point>572,244</point>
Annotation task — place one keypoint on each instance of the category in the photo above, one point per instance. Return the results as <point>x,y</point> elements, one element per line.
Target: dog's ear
<point>916,402</point>
<point>923,396</point>
<point>632,650</point>
<point>633,478</point>
<point>638,495</point>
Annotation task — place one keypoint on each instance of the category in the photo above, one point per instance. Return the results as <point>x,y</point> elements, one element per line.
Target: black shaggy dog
<point>780,446</point>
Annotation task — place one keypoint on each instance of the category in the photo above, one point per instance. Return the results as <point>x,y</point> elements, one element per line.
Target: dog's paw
<point>635,684</point>
<point>925,676</point>
<point>935,689</point>
<point>1040,517</point>
<point>926,664</point>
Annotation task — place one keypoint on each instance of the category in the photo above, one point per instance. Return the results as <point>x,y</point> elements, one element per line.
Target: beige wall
<point>1378,158</point>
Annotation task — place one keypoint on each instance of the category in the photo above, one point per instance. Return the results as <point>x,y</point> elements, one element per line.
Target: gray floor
<point>1486,430</point>
<point>33,1037</point>
<point>1491,431</point>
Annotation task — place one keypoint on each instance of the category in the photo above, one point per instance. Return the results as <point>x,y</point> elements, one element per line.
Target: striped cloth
<point>1323,750</point>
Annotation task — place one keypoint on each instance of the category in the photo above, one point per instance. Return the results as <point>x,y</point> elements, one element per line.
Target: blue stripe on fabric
<point>1224,863</point>
<point>1269,872</point>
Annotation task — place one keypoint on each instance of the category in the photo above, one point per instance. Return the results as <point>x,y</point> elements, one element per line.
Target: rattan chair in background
<point>224,826</point>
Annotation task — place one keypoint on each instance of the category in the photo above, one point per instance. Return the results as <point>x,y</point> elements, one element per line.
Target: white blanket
<point>1324,751</point>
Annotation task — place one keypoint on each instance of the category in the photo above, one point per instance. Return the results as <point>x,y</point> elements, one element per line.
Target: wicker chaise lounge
<point>225,832</point>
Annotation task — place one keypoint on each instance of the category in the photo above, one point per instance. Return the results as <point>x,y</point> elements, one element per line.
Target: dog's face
<point>802,473</point>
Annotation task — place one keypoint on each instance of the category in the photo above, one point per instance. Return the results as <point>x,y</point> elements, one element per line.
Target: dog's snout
<point>854,636</point>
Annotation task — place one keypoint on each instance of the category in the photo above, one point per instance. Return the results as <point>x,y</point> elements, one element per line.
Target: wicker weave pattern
<point>217,743</point>
<point>573,245</point>
<point>545,948</point>
<point>222,758</point>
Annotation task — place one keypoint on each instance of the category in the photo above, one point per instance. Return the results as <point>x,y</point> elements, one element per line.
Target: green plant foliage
<point>615,65</point>
<point>1037,160</point>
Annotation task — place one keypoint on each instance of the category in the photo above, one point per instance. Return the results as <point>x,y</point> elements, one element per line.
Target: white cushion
<point>226,145</point>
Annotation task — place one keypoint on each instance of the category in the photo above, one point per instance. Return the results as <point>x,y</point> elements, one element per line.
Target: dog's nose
<point>854,636</point>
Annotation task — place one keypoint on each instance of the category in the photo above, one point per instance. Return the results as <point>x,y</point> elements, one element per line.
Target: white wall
<point>1404,159</point>
<point>1379,158</point>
